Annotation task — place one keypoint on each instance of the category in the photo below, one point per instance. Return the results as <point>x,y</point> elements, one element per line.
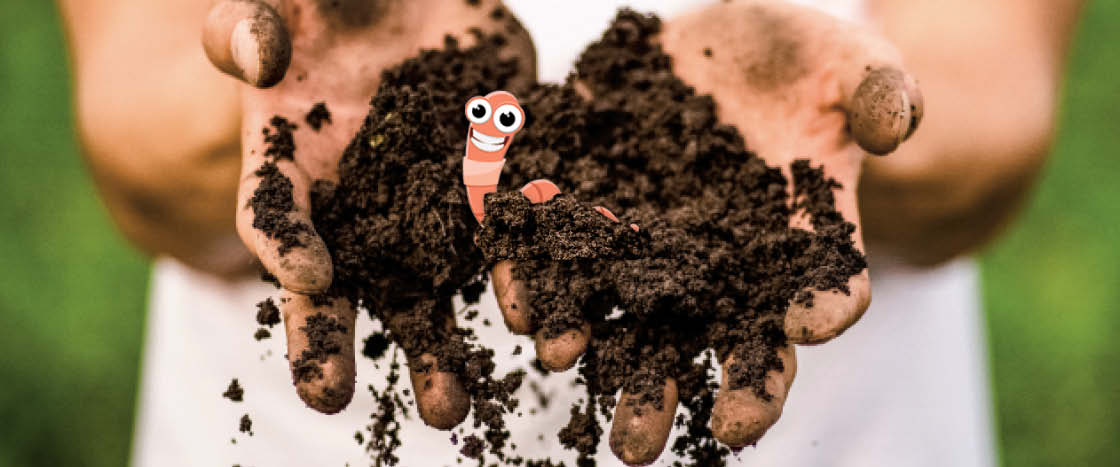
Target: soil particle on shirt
<point>268,314</point>
<point>582,432</point>
<point>262,334</point>
<point>709,274</point>
<point>245,425</point>
<point>473,447</point>
<point>234,392</point>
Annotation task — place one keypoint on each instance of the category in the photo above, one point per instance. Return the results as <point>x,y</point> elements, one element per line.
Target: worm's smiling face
<point>494,119</point>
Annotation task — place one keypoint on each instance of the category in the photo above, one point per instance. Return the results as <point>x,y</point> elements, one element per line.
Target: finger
<point>640,430</point>
<point>828,313</point>
<point>740,417</point>
<point>884,109</point>
<point>831,313</point>
<point>247,39</point>
<point>440,397</point>
<point>512,298</point>
<point>560,352</point>
<point>320,349</point>
<point>556,352</point>
<point>274,219</point>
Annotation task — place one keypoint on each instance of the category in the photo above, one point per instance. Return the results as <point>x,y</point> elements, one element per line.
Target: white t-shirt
<point>906,386</point>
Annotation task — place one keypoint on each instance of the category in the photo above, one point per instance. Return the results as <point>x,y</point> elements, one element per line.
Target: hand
<point>797,84</point>
<point>293,54</point>
<point>961,179</point>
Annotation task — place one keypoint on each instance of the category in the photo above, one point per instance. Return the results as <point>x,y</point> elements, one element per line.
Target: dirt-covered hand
<point>293,55</point>
<point>799,85</point>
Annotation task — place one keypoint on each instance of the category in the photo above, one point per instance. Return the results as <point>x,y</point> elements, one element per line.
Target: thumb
<point>247,39</point>
<point>884,110</point>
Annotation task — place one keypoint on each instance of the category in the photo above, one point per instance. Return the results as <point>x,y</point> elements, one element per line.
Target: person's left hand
<point>797,84</point>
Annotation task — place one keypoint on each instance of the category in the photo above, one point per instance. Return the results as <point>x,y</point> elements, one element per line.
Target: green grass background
<point>72,292</point>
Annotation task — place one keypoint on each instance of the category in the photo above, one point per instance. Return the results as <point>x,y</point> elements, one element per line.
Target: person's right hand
<point>797,84</point>
<point>293,54</point>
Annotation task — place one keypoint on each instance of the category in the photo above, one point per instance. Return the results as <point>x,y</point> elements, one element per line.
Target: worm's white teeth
<point>485,138</point>
<point>486,142</point>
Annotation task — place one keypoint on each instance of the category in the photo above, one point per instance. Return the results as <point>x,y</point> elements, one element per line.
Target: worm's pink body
<point>495,119</point>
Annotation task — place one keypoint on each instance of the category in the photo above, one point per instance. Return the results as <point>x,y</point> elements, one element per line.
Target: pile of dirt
<point>714,265</point>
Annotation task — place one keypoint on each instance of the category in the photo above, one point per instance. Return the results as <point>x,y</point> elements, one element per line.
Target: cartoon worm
<point>495,119</point>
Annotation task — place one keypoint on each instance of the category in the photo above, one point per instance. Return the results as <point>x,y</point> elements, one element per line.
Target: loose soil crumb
<point>473,447</point>
<point>318,116</point>
<point>268,314</point>
<point>375,346</point>
<point>234,392</point>
<point>710,273</point>
<point>262,334</point>
<point>246,425</point>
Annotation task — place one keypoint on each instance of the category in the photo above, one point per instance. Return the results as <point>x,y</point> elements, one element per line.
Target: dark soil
<point>279,140</point>
<point>714,265</point>
<point>234,392</point>
<point>323,333</point>
<point>245,425</point>
<point>268,314</point>
<point>473,447</point>
<point>262,334</point>
<point>272,200</point>
<point>318,116</point>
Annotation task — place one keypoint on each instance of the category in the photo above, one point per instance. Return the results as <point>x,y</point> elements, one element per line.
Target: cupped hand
<point>292,55</point>
<point>799,85</point>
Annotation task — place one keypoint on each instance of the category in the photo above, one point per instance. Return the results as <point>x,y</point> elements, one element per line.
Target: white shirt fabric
<point>906,386</point>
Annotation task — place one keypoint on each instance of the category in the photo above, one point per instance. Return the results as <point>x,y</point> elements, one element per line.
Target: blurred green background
<point>72,292</point>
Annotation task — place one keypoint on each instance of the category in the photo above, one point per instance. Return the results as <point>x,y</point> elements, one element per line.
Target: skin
<point>991,72</point>
<point>794,81</point>
<point>839,93</point>
<point>324,40</point>
<point>288,55</point>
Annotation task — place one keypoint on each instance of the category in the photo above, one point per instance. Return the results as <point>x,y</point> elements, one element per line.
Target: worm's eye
<point>478,110</point>
<point>508,119</point>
